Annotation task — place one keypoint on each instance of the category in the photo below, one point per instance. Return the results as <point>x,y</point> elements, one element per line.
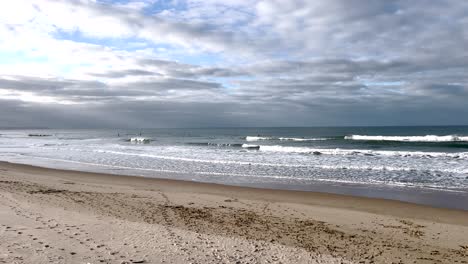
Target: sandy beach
<point>56,216</point>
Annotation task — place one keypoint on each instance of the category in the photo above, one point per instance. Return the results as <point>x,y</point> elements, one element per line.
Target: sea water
<point>427,158</point>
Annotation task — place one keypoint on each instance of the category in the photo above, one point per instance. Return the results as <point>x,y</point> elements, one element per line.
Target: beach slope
<point>56,216</point>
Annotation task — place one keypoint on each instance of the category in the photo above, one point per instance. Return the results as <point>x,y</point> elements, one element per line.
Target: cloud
<point>125,73</point>
<point>176,69</point>
<point>249,62</point>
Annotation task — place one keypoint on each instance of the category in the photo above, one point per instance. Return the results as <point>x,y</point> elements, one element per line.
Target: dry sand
<point>55,216</point>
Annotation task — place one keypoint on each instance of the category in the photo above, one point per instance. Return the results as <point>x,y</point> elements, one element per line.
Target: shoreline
<point>362,203</point>
<point>91,217</point>
<point>445,199</point>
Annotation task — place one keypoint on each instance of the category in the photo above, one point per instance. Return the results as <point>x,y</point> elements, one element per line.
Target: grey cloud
<point>25,83</point>
<point>160,30</point>
<point>438,89</point>
<point>166,84</point>
<point>91,90</point>
<point>377,29</point>
<point>336,62</point>
<point>335,28</point>
<point>183,70</point>
<point>125,73</point>
<point>326,111</point>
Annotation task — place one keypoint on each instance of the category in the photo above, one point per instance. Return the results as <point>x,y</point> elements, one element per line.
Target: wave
<point>252,138</point>
<point>279,177</point>
<point>215,144</point>
<point>389,182</point>
<point>318,166</point>
<point>81,139</point>
<point>164,157</point>
<point>249,146</point>
<point>302,139</point>
<point>53,145</point>
<point>258,138</point>
<point>427,138</point>
<point>140,140</point>
<point>334,151</point>
<point>39,135</point>
<point>362,152</point>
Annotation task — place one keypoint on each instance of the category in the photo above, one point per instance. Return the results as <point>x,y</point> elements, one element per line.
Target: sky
<point>232,63</point>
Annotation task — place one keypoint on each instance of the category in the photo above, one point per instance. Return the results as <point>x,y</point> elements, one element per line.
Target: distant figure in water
<point>118,134</point>
<point>140,133</point>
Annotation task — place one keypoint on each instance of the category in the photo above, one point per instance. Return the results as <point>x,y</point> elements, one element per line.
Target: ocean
<point>415,164</point>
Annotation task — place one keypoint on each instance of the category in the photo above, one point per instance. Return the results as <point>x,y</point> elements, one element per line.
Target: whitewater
<point>426,138</point>
<point>434,158</point>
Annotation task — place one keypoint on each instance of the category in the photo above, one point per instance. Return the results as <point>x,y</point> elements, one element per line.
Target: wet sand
<point>57,216</point>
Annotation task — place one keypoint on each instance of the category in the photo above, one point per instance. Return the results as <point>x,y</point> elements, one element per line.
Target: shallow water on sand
<point>424,158</point>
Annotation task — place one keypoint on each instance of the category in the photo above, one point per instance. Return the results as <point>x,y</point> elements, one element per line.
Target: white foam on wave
<point>427,138</point>
<point>177,158</point>
<point>258,138</point>
<point>338,151</point>
<point>316,151</point>
<point>325,167</point>
<point>385,168</point>
<point>140,139</point>
<point>279,177</point>
<point>250,146</point>
<point>301,139</point>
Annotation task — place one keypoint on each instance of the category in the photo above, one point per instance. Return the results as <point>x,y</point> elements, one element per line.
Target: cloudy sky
<point>198,63</point>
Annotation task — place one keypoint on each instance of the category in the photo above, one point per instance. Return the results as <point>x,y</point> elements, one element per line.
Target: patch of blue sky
<point>166,51</point>
<point>153,6</point>
<point>224,82</point>
<point>231,83</point>
<point>68,68</point>
<point>128,44</point>
<point>20,57</point>
<point>162,5</point>
<point>114,1</point>
<point>202,59</point>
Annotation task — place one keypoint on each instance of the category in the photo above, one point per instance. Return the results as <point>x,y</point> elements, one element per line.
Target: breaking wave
<point>322,166</point>
<point>340,151</point>
<point>249,146</point>
<point>251,138</point>
<point>363,152</point>
<point>215,144</point>
<point>427,138</point>
<point>318,166</point>
<point>258,138</point>
<point>140,140</point>
<point>353,181</point>
<point>302,139</point>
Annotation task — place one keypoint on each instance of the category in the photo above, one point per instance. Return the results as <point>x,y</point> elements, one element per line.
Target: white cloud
<point>285,54</point>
